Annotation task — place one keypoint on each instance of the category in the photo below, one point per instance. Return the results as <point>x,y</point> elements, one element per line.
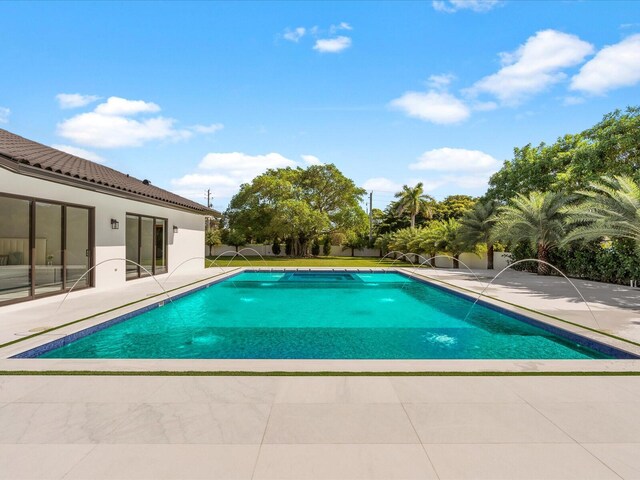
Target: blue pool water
<point>323,315</point>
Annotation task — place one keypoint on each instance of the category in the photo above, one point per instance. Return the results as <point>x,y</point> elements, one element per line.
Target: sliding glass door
<point>146,245</point>
<point>45,247</point>
<point>15,249</point>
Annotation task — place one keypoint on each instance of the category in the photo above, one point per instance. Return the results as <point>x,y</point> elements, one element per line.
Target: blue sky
<point>207,95</point>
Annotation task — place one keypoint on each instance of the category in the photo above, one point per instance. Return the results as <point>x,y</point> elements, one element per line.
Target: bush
<point>315,248</point>
<point>326,246</point>
<point>275,248</point>
<point>613,262</point>
<point>288,247</point>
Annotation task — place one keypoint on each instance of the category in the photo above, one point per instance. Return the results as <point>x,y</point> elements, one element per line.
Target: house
<point>60,215</point>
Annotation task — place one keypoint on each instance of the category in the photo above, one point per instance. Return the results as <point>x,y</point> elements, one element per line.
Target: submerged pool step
<point>319,277</point>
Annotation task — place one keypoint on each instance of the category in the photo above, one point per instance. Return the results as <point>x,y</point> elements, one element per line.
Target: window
<point>45,247</point>
<point>146,246</point>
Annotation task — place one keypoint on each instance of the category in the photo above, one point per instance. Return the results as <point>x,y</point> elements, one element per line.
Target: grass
<point>344,262</point>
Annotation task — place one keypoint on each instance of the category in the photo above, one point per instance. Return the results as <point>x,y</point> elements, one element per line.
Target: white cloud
<point>614,66</point>
<point>242,166</point>
<point>381,184</point>
<point>440,82</point>
<point>4,114</point>
<point>230,171</point>
<point>433,106</point>
<point>534,66</point>
<point>110,125</point>
<point>341,26</point>
<point>332,45</point>
<point>455,159</point>
<point>80,152</point>
<point>75,100</point>
<point>111,131</point>
<point>122,106</point>
<point>484,106</point>
<point>572,100</point>
<point>452,6</point>
<point>294,35</point>
<point>311,160</point>
<point>214,127</point>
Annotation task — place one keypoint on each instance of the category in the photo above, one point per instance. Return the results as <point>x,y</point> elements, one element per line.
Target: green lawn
<point>305,262</point>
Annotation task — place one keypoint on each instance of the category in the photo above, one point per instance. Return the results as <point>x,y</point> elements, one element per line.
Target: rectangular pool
<point>323,315</point>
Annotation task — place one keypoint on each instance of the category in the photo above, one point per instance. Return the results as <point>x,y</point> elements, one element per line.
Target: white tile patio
<point>267,428</point>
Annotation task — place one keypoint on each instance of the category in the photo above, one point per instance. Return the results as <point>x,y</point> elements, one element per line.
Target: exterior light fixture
<point>175,229</point>
<point>115,225</point>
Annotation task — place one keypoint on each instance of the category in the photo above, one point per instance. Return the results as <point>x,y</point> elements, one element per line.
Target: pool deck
<point>323,427</point>
<point>113,427</point>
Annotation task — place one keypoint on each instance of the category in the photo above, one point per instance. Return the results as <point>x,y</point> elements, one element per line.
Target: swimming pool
<point>323,315</point>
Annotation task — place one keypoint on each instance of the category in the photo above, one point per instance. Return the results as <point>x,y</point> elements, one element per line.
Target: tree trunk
<point>210,246</point>
<point>353,252</point>
<point>543,255</point>
<point>432,260</point>
<point>456,263</point>
<point>237,247</point>
<point>489,256</point>
<point>413,221</point>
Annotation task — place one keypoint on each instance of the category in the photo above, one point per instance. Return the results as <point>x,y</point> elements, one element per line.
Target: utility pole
<point>370,216</point>
<point>208,206</point>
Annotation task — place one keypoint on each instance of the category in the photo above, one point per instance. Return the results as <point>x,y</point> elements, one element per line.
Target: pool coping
<point>83,327</point>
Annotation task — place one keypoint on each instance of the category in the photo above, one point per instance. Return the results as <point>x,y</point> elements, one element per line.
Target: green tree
<point>538,219</point>
<point>476,227</point>
<point>609,148</point>
<point>414,201</point>
<point>382,243</point>
<point>453,206</point>
<point>354,241</point>
<point>297,205</point>
<point>212,238</point>
<point>449,240</point>
<point>236,239</point>
<point>611,208</point>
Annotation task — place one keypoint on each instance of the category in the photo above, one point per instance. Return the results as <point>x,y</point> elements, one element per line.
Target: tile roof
<point>23,151</point>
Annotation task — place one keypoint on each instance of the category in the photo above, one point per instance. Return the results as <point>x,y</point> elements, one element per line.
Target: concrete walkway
<point>92,427</point>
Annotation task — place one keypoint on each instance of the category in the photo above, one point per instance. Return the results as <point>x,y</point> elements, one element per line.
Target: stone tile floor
<point>170,427</point>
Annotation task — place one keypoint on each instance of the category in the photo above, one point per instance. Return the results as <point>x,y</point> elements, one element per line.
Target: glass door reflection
<point>48,259</point>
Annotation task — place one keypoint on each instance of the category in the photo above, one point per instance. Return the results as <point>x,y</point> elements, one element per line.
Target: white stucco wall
<point>110,244</point>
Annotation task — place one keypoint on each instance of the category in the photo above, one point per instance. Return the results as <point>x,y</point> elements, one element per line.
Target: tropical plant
<point>611,208</point>
<point>538,219</point>
<point>476,227</point>
<point>382,243</point>
<point>449,240</point>
<point>414,201</point>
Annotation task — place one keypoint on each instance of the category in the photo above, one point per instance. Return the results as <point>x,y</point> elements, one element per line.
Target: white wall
<point>500,259</point>
<point>110,244</point>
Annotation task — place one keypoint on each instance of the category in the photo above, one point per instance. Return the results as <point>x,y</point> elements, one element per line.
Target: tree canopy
<point>611,147</point>
<point>297,205</point>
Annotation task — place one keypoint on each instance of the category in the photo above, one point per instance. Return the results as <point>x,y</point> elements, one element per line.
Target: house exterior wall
<point>109,243</point>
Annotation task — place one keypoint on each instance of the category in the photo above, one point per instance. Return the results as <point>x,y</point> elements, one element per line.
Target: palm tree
<point>611,208</point>
<point>415,201</point>
<point>538,219</point>
<point>476,226</point>
<point>450,240</point>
